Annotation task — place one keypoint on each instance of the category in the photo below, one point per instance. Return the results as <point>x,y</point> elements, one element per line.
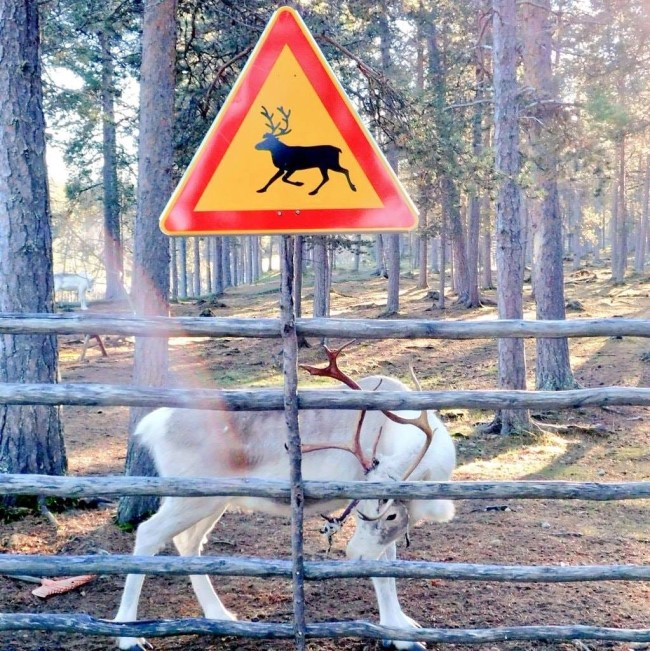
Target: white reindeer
<point>75,283</point>
<point>342,445</point>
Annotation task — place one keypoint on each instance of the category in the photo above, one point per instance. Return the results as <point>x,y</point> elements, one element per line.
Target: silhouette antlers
<point>280,128</point>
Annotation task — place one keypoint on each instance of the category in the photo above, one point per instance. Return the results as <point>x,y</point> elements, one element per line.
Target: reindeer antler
<point>269,120</point>
<point>274,127</point>
<point>332,370</point>
<point>421,422</point>
<point>285,117</point>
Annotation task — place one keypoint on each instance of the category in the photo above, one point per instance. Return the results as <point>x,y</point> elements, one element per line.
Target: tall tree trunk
<point>446,163</point>
<point>575,217</point>
<point>512,361</point>
<point>321,273</point>
<point>196,250</point>
<point>486,254</point>
<point>217,267</point>
<point>207,255</point>
<point>619,236</point>
<point>380,262</point>
<point>613,228</point>
<point>423,255</point>
<point>248,268</point>
<point>234,250</point>
<point>435,255</point>
<point>356,250</point>
<point>113,257</point>
<point>391,240</point>
<point>642,243</point>
<point>270,254</point>
<point>182,267</point>
<point>443,262</point>
<point>553,366</point>
<point>257,265</point>
<point>174,269</point>
<point>474,225</point>
<point>31,438</point>
<point>151,260</point>
<point>226,243</point>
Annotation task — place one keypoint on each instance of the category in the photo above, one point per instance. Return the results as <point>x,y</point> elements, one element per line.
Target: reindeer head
<point>276,129</point>
<point>390,521</point>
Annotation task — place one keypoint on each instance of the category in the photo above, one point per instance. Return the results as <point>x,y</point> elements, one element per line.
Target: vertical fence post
<point>290,371</point>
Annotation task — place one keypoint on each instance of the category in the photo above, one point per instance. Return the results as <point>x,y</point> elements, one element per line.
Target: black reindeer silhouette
<point>291,159</point>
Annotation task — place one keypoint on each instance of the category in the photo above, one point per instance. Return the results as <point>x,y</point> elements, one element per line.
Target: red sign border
<point>287,29</point>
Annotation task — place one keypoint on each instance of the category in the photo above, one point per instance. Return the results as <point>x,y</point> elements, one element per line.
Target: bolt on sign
<point>288,153</point>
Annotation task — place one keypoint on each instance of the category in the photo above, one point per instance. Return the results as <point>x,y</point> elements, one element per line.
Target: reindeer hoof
<point>262,190</point>
<point>313,192</point>
<point>354,188</point>
<point>138,644</point>
<point>403,646</point>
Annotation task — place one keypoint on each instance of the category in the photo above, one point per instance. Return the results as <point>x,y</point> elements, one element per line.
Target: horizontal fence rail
<point>54,486</point>
<point>162,628</point>
<point>273,399</point>
<point>335,328</point>
<point>14,564</point>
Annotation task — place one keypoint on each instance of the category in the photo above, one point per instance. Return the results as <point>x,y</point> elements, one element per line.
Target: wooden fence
<point>22,394</point>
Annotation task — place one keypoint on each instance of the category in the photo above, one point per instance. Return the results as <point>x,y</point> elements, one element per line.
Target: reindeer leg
<point>347,176</point>
<point>390,611</point>
<point>274,178</point>
<point>285,178</point>
<point>326,178</point>
<point>190,543</point>
<point>173,518</point>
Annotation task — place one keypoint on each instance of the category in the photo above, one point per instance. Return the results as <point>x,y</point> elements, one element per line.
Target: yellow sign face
<point>234,186</point>
<point>288,153</point>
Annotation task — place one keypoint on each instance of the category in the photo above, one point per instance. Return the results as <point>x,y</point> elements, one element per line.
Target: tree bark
<point>151,259</point>
<point>642,243</point>
<point>442,262</point>
<point>392,240</point>
<point>31,438</point>
<point>474,223</point>
<point>553,366</point>
<point>207,256</point>
<point>217,264</point>
<point>226,260</point>
<point>512,362</point>
<point>113,256</point>
<point>356,250</point>
<point>182,267</point>
<point>173,276</point>
<point>619,234</point>
<point>196,251</point>
<point>321,272</point>
<point>445,163</point>
<point>380,262</point>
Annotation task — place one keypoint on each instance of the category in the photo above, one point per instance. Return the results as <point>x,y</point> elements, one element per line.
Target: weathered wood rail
<point>52,486</point>
<point>273,399</point>
<point>234,400</point>
<point>315,570</point>
<point>334,328</point>
<point>276,631</point>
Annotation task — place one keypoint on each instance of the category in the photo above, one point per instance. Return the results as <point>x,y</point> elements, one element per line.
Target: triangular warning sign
<point>287,153</point>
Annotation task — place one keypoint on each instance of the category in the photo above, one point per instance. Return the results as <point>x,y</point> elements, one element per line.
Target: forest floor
<point>584,444</point>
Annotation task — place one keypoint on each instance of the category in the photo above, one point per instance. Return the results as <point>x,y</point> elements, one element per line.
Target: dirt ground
<point>585,444</point>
